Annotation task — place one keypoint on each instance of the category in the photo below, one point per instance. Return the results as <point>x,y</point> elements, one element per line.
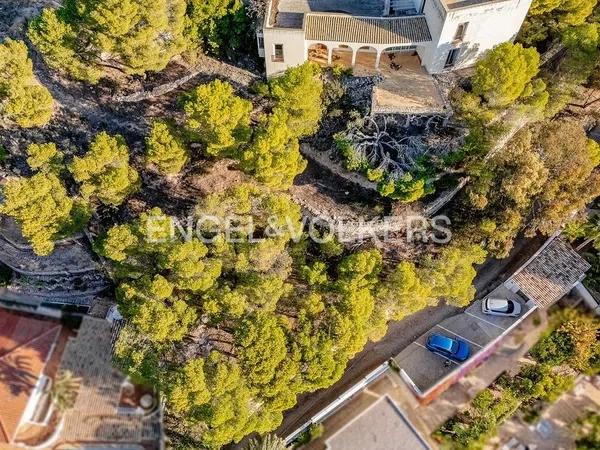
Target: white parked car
<point>500,307</point>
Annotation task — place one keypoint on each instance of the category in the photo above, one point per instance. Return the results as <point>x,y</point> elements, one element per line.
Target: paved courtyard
<point>406,85</point>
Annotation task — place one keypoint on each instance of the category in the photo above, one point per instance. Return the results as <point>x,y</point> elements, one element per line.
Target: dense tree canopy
<point>543,176</point>
<point>165,150</point>
<point>217,117</point>
<point>43,209</point>
<point>298,91</point>
<point>273,155</point>
<point>252,312</point>
<point>104,172</point>
<point>206,20</point>
<point>44,157</point>
<point>84,38</point>
<point>505,73</point>
<point>22,99</point>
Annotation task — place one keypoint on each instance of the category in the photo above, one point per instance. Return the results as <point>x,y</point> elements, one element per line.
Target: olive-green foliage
<point>451,274</point>
<point>577,66</point>
<point>562,13</point>
<point>587,432</point>
<point>104,172</point>
<point>540,382</point>
<point>281,315</point>
<point>165,149</point>
<point>273,155</point>
<point>572,340</point>
<point>22,99</point>
<point>85,37</point>
<point>216,25</point>
<point>298,92</point>
<point>217,117</point>
<point>548,169</point>
<point>491,407</point>
<point>471,431</point>
<point>43,209</point>
<point>44,157</point>
<point>504,74</point>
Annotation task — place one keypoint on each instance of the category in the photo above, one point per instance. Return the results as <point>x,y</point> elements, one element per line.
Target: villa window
<point>452,57</point>
<point>461,31</point>
<point>278,53</point>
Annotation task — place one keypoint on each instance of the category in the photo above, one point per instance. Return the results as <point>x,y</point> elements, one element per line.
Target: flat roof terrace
<point>457,4</point>
<point>290,13</point>
<point>370,8</point>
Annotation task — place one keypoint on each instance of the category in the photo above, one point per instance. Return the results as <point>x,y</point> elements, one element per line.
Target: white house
<point>445,34</point>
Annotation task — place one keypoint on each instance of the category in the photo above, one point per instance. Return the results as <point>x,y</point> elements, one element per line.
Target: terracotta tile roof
<point>25,346</point>
<point>367,30</point>
<point>95,416</point>
<point>552,273</point>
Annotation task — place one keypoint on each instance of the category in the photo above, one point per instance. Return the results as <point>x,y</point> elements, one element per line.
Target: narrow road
<point>401,334</point>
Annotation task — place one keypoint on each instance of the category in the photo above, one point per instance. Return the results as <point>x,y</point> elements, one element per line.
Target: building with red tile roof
<point>26,347</point>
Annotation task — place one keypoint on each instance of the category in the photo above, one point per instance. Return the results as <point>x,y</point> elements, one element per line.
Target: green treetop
<point>217,117</point>
<point>504,74</point>
<point>165,150</point>
<point>204,18</point>
<point>298,92</point>
<point>42,207</point>
<point>273,156</point>
<point>44,157</point>
<point>451,274</point>
<point>85,37</point>
<point>22,99</point>
<point>104,172</point>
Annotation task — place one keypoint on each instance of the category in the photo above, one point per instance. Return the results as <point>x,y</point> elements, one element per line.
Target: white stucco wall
<point>489,25</point>
<point>294,50</point>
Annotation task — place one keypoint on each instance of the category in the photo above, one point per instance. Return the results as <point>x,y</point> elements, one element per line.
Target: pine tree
<point>504,74</point>
<point>44,157</point>
<point>165,150</point>
<point>298,92</point>
<point>22,99</point>
<point>41,206</point>
<point>217,117</point>
<point>273,156</point>
<point>87,37</point>
<point>104,172</point>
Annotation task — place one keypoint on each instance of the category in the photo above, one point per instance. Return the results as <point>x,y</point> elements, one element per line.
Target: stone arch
<point>366,56</point>
<point>393,56</point>
<point>319,53</point>
<point>342,54</point>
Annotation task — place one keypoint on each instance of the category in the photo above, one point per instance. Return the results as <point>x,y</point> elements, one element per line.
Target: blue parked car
<point>455,349</point>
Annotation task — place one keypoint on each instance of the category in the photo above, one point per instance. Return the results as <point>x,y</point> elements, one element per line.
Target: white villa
<point>443,34</point>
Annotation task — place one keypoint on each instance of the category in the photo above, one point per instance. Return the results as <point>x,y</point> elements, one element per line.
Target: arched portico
<point>319,53</point>
<point>342,54</point>
<point>367,56</point>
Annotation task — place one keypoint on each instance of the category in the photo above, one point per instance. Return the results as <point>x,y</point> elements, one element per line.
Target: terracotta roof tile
<point>25,346</point>
<point>367,30</point>
<point>552,273</point>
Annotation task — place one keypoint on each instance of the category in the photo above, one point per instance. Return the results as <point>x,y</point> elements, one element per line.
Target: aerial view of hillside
<point>299,224</point>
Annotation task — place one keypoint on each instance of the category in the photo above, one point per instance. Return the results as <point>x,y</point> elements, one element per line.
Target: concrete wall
<point>488,25</point>
<point>294,49</point>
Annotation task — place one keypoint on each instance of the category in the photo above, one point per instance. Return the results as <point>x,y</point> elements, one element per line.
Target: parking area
<point>425,369</point>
